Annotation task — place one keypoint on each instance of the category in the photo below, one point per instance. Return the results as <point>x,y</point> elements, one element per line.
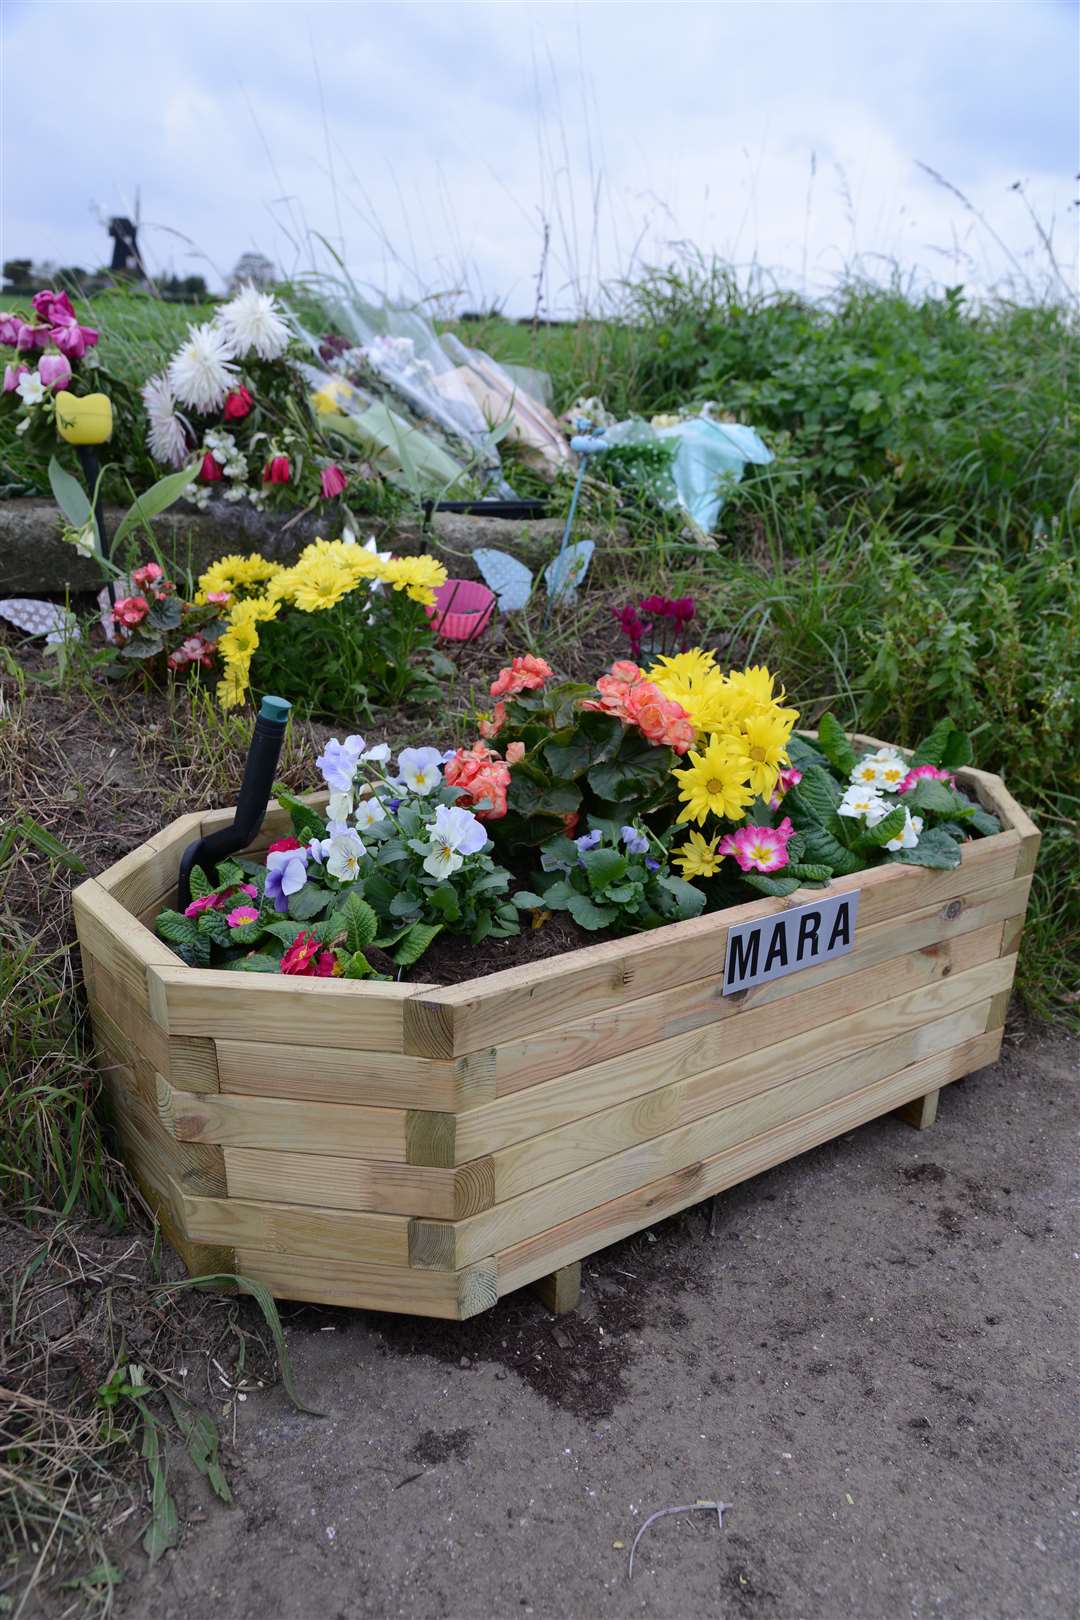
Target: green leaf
<point>833,742</point>
<point>256,963</point>
<point>689,900</point>
<point>958,750</point>
<point>942,856</point>
<point>445,901</point>
<point>200,1435</point>
<point>39,838</point>
<point>165,615</point>
<point>307,902</point>
<point>529,901</point>
<point>199,884</point>
<point>807,873</point>
<point>603,866</point>
<point>163,1531</point>
<point>307,823</point>
<point>890,826</point>
<point>177,929</point>
<point>938,797</point>
<point>358,920</point>
<point>157,499</point>
<point>823,849</point>
<point>589,915</point>
<point>416,942</point>
<point>777,886</point>
<point>802,753</point>
<point>931,751</point>
<point>984,822</point>
<point>812,802</point>
<point>358,967</point>
<point>69,495</point>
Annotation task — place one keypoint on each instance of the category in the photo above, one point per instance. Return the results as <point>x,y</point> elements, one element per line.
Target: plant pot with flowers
<point>792,934</point>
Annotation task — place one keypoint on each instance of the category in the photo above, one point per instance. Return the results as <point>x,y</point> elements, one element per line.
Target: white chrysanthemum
<point>199,372</point>
<point>252,320</point>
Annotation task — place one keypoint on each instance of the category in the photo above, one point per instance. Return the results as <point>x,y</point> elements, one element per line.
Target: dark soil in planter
<point>451,959</point>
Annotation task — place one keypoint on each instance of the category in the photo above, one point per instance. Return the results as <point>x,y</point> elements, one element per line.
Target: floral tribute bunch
<point>152,619</point>
<point>396,862</point>
<point>341,628</point>
<point>232,400</point>
<point>53,353</point>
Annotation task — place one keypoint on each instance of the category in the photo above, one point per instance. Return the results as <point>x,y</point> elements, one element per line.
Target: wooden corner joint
<point>428,1027</point>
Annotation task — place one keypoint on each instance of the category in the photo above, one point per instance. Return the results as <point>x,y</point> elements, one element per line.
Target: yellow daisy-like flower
<point>232,688</point>
<point>692,680</point>
<point>332,397</point>
<point>418,577</point>
<point>765,736</point>
<point>698,857</point>
<point>239,644</point>
<point>715,782</point>
<point>750,690</point>
<point>237,575</point>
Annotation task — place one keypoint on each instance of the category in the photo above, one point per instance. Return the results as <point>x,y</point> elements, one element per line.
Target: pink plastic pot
<point>462,611</point>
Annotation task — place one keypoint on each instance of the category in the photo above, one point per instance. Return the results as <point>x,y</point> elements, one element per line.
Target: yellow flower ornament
<point>85,420</point>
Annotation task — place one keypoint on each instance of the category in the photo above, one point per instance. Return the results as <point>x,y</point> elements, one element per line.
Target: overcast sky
<point>432,144</point>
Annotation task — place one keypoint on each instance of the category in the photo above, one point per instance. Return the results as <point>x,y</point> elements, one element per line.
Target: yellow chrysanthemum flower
<point>318,583</point>
<point>698,857</point>
<point>765,737</point>
<point>232,688</point>
<point>750,690</point>
<point>237,575</point>
<point>419,577</point>
<point>692,680</point>
<point>715,782</point>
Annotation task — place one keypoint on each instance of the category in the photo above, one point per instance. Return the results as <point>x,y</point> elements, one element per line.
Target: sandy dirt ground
<point>872,1356</point>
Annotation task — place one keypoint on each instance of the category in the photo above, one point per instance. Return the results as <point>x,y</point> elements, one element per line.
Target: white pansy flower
<point>199,372</point>
<point>252,320</point>
<point>346,851</point>
<point>909,838</point>
<point>420,769</point>
<point>339,806</point>
<point>378,754</point>
<point>31,389</point>
<point>168,440</point>
<point>455,833</point>
<point>368,812</point>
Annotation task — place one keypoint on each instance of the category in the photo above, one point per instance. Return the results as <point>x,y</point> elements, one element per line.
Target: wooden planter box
<point>410,1148</point>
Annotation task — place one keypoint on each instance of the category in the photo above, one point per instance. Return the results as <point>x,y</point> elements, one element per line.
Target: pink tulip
<point>12,375</point>
<point>332,483</point>
<point>9,328</point>
<point>31,337</point>
<point>54,370</point>
<point>53,307</point>
<point>73,340</point>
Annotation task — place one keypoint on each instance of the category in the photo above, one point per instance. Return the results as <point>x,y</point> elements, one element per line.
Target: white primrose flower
<point>252,320</point>
<point>199,372</point>
<point>455,833</point>
<point>909,838</point>
<point>893,770</point>
<point>168,440</point>
<point>862,803</point>
<point>345,853</point>
<point>30,388</point>
<point>420,769</point>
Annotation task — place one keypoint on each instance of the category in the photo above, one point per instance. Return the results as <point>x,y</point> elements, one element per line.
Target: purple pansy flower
<point>286,874</point>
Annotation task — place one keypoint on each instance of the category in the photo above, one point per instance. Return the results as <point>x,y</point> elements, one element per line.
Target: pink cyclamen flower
<point>205,902</point>
<point>241,915</point>
<point>920,773</point>
<point>332,483</point>
<point>12,375</point>
<point>277,470</point>
<point>757,849</point>
<point>131,610</point>
<point>54,370</point>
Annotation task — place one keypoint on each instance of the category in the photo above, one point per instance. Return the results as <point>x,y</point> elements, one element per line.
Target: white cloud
<point>451,131</point>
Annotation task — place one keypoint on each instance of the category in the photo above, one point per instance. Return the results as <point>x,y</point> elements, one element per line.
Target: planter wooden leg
<point>922,1112</point>
<point>561,1290</point>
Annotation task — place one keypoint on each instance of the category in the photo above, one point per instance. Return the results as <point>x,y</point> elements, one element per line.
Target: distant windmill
<point>126,257</point>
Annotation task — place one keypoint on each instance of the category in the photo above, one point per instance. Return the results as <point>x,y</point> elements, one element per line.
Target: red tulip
<point>277,470</point>
<point>332,483</point>
<point>238,401</point>
<point>209,472</point>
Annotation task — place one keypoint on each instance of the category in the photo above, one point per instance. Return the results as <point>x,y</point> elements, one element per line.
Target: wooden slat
<point>452,1295</point>
<point>289,1127</point>
<point>577,1044</point>
<point>607,1223</point>
<point>189,1061</point>
<point>910,990</point>
<point>336,1074</point>
<point>521,1002</point>
<point>137,881</point>
<point>366,1184</point>
<point>568,1177</point>
<point>329,1234</point>
<point>236,1006</point>
<point>113,938</point>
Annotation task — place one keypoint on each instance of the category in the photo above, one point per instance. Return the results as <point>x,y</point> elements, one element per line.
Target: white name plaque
<point>789,940</point>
